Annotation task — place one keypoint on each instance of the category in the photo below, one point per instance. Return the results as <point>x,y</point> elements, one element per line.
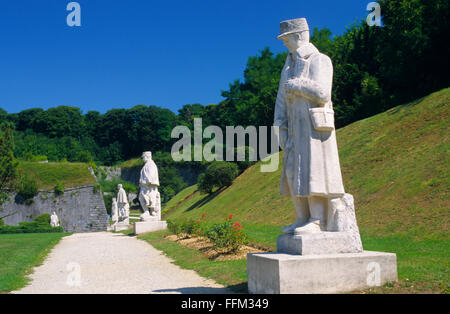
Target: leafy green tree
<point>60,121</point>
<point>218,174</point>
<point>26,118</point>
<point>8,164</point>
<point>3,115</point>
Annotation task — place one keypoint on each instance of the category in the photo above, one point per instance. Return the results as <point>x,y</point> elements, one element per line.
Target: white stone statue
<point>304,114</point>
<point>149,196</point>
<point>54,220</point>
<point>114,211</point>
<point>123,205</point>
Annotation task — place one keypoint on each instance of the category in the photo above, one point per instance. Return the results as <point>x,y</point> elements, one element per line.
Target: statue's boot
<point>291,228</point>
<point>312,226</point>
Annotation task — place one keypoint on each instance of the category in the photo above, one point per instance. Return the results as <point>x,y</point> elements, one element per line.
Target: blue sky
<point>163,53</point>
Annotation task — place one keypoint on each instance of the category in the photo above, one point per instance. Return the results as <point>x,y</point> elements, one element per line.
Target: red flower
<point>230,217</point>
<point>198,231</point>
<point>203,215</point>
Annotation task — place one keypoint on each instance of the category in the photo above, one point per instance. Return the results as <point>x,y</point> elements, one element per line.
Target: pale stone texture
<point>122,203</point>
<point>54,220</point>
<point>114,211</point>
<point>272,273</point>
<point>149,197</point>
<point>343,236</point>
<point>149,226</point>
<point>79,209</point>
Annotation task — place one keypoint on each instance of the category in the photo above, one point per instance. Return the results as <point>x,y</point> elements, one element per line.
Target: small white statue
<point>54,220</point>
<point>149,196</point>
<point>115,211</point>
<point>123,205</point>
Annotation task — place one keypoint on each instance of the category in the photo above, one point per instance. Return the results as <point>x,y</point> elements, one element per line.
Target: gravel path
<point>113,263</point>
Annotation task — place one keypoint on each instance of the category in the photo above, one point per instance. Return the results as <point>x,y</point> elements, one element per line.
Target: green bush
<point>43,218</point>
<point>227,236</point>
<point>111,186</point>
<point>85,156</point>
<point>59,188</point>
<point>217,175</point>
<point>189,227</point>
<point>28,189</point>
<point>2,222</point>
<point>174,226</point>
<point>30,227</point>
<point>107,199</point>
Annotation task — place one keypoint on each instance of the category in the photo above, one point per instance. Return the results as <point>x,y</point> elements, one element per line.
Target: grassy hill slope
<point>47,175</point>
<point>395,164</point>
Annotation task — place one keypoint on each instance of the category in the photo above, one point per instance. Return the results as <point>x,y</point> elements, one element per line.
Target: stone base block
<point>320,243</point>
<point>121,227</point>
<point>275,273</point>
<point>149,226</point>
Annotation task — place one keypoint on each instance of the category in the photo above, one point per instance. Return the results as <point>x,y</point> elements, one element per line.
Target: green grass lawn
<point>47,175</point>
<point>19,253</point>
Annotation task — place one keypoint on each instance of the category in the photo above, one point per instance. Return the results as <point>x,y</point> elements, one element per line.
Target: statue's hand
<point>291,86</point>
<point>283,138</point>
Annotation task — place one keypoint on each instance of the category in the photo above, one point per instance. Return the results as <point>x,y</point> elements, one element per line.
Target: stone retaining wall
<point>79,209</point>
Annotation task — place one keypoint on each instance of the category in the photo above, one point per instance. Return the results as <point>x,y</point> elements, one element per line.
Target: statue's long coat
<point>122,197</point>
<point>149,174</point>
<point>311,159</point>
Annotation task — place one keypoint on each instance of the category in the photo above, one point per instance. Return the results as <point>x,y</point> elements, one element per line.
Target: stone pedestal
<point>278,273</point>
<point>320,243</point>
<point>149,226</point>
<point>121,226</point>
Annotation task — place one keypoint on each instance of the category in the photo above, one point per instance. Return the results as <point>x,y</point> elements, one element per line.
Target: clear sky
<point>130,52</point>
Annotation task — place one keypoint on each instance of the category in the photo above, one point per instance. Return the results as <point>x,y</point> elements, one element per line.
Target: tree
<point>218,174</point>
<point>8,164</point>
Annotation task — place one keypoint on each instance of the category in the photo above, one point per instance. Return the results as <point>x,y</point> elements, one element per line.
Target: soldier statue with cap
<point>304,114</point>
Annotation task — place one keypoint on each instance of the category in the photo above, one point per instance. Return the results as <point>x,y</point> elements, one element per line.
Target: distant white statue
<point>149,196</point>
<point>123,205</point>
<point>115,211</point>
<point>54,220</point>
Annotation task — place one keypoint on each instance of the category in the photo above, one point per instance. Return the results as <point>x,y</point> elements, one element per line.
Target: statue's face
<point>296,40</point>
<point>119,186</point>
<point>147,157</point>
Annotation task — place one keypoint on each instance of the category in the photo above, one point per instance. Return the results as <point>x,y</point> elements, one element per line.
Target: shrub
<point>217,175</point>
<point>39,225</point>
<point>84,156</point>
<point>28,189</point>
<point>227,236</point>
<point>2,222</point>
<point>174,227</point>
<point>189,227</point>
<point>111,186</point>
<point>107,199</point>
<point>43,218</point>
<point>59,188</point>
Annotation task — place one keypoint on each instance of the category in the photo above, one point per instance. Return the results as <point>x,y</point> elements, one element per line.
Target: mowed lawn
<point>19,253</point>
